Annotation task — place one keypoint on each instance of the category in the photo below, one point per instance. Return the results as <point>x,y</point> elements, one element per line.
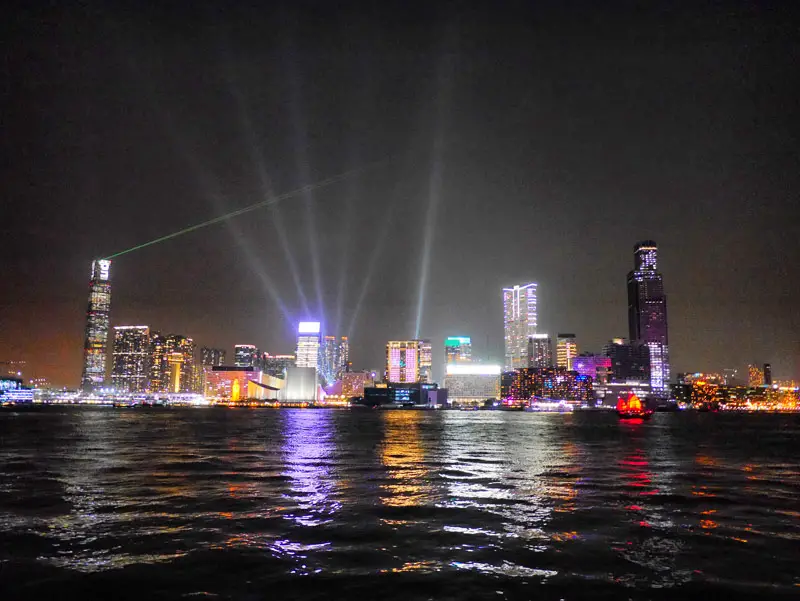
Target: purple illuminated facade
<point>596,367</point>
<point>647,313</point>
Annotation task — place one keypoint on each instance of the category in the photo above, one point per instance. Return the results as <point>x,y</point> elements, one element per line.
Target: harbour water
<point>98,503</point>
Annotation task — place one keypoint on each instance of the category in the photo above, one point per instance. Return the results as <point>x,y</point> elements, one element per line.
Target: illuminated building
<point>163,355</point>
<point>457,349</point>
<point>354,382</point>
<point>566,350</point>
<point>308,344</point>
<point>210,357</point>
<point>409,394</point>
<point>276,365</point>
<point>246,355</point>
<point>540,351</point>
<point>519,323</point>
<point>647,314</point>
<point>130,363</point>
<point>767,374</point>
<point>95,346</point>
<point>402,361</point>
<point>425,361</point>
<point>598,367</point>
<point>553,383</point>
<point>472,383</point>
<point>234,384</point>
<point>755,376</point>
<point>729,376</point>
<point>301,385</point>
<point>629,362</point>
<point>334,357</point>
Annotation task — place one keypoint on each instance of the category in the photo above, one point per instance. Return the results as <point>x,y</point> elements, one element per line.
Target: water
<point>250,504</point>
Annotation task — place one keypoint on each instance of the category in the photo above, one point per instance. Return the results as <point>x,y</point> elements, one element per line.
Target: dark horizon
<point>523,144</point>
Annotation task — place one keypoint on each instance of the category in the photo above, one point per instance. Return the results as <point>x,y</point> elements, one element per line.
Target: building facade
<point>276,365</point>
<point>172,367</point>
<point>755,376</point>
<point>246,356</point>
<point>629,362</point>
<point>308,342</point>
<point>566,350</point>
<point>647,314</point>
<point>425,361</point>
<point>519,323</point>
<point>457,349</point>
<point>540,351</point>
<point>402,361</point>
<point>334,358</point>
<point>130,365</point>
<point>598,367</point>
<point>551,384</point>
<point>98,315</point>
<point>472,383</point>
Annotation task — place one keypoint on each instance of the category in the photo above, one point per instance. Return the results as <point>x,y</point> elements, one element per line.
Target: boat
<point>629,406</point>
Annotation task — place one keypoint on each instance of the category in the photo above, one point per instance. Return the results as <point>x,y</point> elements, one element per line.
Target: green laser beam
<point>262,203</point>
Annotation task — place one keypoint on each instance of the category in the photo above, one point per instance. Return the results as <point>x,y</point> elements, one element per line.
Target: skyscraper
<point>755,376</point>
<point>209,357</point>
<point>334,356</point>
<point>402,361</point>
<point>131,358</point>
<point>246,355</point>
<point>767,374</point>
<point>425,361</point>
<point>647,313</point>
<point>519,307</point>
<point>566,350</point>
<point>95,346</point>
<point>168,354</point>
<point>457,349</point>
<point>308,344</point>
<point>540,351</point>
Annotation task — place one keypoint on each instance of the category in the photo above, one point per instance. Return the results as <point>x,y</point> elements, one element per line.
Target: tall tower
<point>308,343</point>
<point>647,313</point>
<point>95,346</point>
<point>131,358</point>
<point>519,307</point>
<point>566,350</point>
<point>425,361</point>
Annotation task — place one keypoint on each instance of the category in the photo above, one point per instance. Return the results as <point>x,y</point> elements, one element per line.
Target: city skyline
<point>487,152</point>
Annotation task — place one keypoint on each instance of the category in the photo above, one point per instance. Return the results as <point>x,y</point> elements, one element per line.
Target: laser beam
<point>253,207</point>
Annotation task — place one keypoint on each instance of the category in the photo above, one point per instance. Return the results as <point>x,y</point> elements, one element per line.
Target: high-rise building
<point>425,361</point>
<point>566,350</point>
<point>308,342</point>
<point>168,354</point>
<point>131,358</point>
<point>457,349</point>
<point>246,355</point>
<point>209,357</point>
<point>767,374</point>
<point>552,383</point>
<point>95,346</point>
<point>629,362</point>
<point>540,351</point>
<point>276,365</point>
<point>647,314</point>
<point>755,376</point>
<point>402,361</point>
<point>334,358</point>
<point>520,320</point>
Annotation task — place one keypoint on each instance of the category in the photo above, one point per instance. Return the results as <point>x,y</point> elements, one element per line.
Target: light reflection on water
<point>528,497</point>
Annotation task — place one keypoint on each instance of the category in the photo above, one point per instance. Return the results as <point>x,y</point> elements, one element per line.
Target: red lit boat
<point>631,407</point>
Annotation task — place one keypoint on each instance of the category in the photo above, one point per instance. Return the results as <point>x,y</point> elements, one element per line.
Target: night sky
<point>531,141</point>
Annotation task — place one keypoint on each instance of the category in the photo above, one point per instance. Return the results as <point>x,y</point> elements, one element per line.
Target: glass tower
<point>519,308</point>
<point>95,346</point>
<point>566,350</point>
<point>647,314</point>
<point>308,342</point>
<point>403,361</point>
<point>334,356</point>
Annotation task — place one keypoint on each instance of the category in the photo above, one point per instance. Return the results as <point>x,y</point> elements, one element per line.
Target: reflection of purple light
<point>307,449</point>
